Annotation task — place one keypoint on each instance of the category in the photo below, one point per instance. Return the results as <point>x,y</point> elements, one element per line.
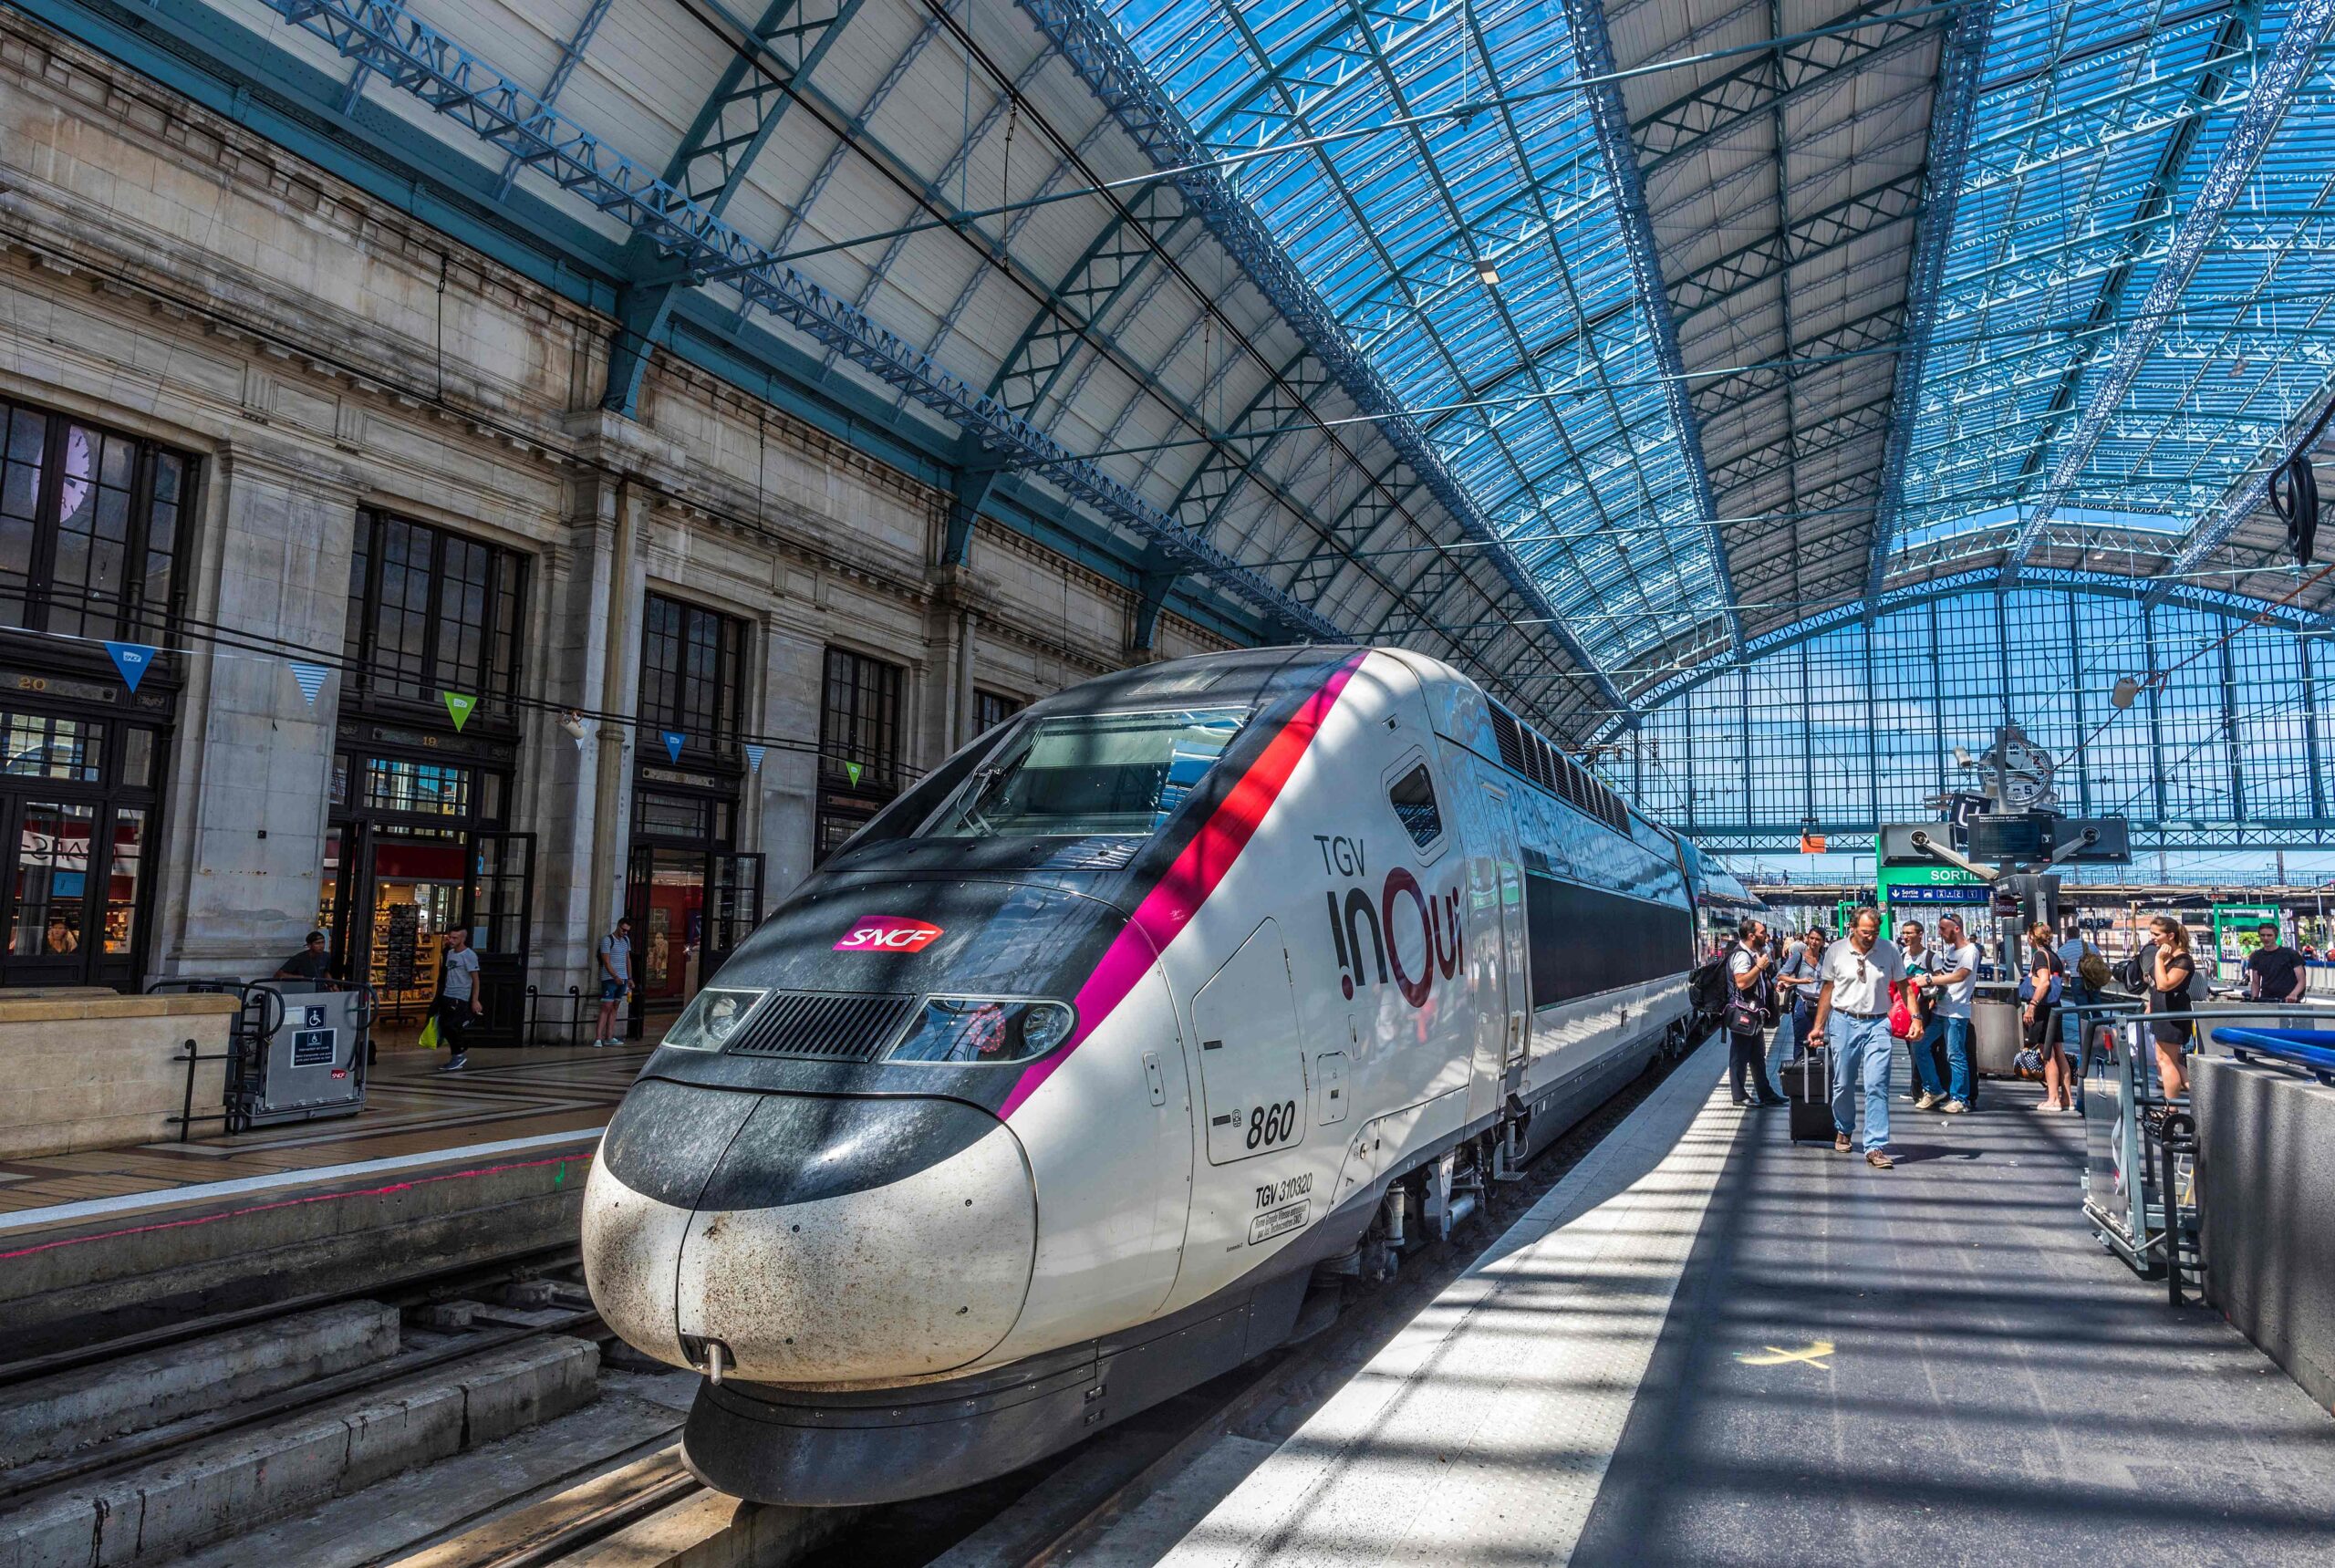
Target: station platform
<point>1709,1344</point>
<point>456,1169</point>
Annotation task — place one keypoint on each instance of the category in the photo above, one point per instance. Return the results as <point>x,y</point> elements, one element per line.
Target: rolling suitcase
<point>1807,1083</point>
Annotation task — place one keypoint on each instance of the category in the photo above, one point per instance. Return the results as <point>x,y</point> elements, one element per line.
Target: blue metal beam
<point>2276,86</point>
<point>1953,104</point>
<point>459,85</point>
<point>1593,57</point>
<point>731,127</point>
<point>571,54</point>
<point>1101,59</point>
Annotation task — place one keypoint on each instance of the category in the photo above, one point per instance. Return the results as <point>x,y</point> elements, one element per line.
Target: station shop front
<point>418,837</point>
<point>89,538</point>
<point>691,893</point>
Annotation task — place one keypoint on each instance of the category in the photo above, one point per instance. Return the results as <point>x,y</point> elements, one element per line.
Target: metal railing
<point>2137,1161</point>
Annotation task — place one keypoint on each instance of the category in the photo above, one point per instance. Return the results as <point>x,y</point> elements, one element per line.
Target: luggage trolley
<point>298,1050</point>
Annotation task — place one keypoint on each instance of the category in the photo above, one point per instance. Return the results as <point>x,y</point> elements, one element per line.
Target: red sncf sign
<point>888,934</point>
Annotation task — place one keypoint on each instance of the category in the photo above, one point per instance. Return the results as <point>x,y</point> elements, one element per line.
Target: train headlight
<point>713,1019</point>
<point>975,1029</point>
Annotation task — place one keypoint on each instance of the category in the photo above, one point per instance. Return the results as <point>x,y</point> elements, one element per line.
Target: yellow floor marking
<point>1813,1356</point>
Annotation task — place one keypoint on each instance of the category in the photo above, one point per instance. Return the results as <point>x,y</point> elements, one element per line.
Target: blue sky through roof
<point>1478,260</point>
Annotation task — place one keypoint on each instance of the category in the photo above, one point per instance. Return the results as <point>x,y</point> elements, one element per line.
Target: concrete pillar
<point>565,658</point>
<point>252,766</point>
<point>793,676</point>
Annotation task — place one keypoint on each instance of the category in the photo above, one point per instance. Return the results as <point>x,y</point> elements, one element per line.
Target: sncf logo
<point>888,934</point>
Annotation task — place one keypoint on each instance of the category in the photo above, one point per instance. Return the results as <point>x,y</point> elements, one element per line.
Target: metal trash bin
<point>1995,1029</point>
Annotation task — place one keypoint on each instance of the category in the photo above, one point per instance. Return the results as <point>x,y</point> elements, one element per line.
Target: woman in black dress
<point>2169,992</point>
<point>2047,978</point>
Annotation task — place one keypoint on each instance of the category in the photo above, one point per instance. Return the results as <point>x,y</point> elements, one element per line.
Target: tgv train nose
<point>812,1239</point>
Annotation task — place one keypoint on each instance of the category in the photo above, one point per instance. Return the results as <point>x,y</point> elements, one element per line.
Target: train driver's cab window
<point>1089,773</point>
<point>1413,798</point>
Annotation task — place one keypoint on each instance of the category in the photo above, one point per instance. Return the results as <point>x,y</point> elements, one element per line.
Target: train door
<point>1507,1017</point>
<point>1251,1053</point>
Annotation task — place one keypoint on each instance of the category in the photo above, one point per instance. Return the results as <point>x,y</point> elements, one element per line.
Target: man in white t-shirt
<point>1952,981</point>
<point>1857,975</point>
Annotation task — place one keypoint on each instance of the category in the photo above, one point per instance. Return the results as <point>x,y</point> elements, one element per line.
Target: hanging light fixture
<point>1485,273</point>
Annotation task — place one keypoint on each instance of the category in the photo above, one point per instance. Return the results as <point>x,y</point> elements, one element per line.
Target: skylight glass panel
<point>2096,124</point>
<point>1460,220</point>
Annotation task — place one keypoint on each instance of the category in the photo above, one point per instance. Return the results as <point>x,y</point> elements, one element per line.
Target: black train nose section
<point>717,1150</point>
<point>667,1138</point>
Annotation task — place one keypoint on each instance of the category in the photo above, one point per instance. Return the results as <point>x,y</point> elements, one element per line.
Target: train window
<point>1413,798</point>
<point>1090,774</point>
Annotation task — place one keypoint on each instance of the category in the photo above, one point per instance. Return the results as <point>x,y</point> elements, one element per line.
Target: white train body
<point>993,1135</point>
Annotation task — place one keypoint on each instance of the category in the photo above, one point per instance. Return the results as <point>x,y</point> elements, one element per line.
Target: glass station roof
<point>1437,178</point>
<point>1434,168</point>
<point>2097,126</point>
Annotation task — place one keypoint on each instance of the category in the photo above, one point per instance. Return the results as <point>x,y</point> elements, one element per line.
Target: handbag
<point>1901,1016</point>
<point>1746,1014</point>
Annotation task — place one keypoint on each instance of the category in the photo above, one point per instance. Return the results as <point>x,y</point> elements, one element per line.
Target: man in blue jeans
<point>1856,978</point>
<point>1951,983</point>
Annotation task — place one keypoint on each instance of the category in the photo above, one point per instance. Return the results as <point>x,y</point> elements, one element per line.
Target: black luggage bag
<point>1807,1083</point>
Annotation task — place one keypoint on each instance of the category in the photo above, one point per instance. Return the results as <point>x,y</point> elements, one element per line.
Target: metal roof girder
<point>1808,237</point>
<point>454,82</point>
<point>1953,104</point>
<point>2276,83</point>
<point>1775,80</point>
<point>1875,330</point>
<point>1093,48</point>
<point>571,54</point>
<point>705,170</point>
<point>1110,264</point>
<point>1594,57</point>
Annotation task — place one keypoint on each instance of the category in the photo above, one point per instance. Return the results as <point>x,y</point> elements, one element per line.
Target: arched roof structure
<point>1587,345</point>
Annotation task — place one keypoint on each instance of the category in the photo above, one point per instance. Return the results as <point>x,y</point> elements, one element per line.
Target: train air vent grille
<point>1510,739</point>
<point>825,1026</point>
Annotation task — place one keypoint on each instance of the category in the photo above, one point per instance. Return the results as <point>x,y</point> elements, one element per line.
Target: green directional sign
<point>851,770</point>
<point>458,707</point>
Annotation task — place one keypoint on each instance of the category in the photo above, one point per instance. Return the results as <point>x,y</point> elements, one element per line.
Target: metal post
<point>2128,1134</point>
<point>2176,1138</point>
<point>186,1107</point>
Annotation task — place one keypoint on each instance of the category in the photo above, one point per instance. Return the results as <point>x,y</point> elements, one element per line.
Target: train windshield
<point>1089,775</point>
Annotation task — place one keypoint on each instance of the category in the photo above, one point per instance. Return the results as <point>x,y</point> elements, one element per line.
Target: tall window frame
<point>860,720</point>
<point>92,525</point>
<point>859,728</point>
<point>692,664</point>
<point>432,610</point>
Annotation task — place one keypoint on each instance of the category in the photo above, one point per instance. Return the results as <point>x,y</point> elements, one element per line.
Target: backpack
<point>2135,969</point>
<point>2093,970</point>
<point>1707,986</point>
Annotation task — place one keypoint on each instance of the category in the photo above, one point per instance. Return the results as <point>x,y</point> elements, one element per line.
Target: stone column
<point>244,834</point>
<point>794,672</point>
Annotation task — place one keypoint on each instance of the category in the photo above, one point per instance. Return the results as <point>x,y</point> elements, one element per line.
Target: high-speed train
<point>1053,1091</point>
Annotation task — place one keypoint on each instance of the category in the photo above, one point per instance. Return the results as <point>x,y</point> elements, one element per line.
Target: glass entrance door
<point>502,888</point>
<point>668,904</point>
<point>48,892</point>
<point>737,908</point>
